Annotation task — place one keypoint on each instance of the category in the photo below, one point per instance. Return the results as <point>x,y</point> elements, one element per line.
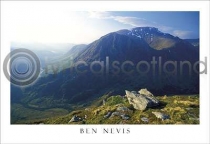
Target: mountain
<point>63,61</point>
<point>135,46</point>
<point>138,43</point>
<point>116,47</point>
<point>116,62</point>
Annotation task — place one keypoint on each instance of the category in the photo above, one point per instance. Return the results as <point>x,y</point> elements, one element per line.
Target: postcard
<point>80,71</point>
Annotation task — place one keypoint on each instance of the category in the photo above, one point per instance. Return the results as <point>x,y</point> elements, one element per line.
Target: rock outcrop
<point>143,100</point>
<point>145,92</point>
<point>116,113</point>
<point>125,117</point>
<point>144,119</point>
<point>123,109</point>
<point>108,115</point>
<point>75,119</point>
<point>161,115</point>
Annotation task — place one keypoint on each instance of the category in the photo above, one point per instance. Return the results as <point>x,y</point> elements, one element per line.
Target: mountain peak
<point>144,29</point>
<point>155,38</point>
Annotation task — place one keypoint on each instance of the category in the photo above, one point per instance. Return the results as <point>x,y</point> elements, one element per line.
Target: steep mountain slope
<point>75,50</point>
<point>116,47</point>
<point>63,61</point>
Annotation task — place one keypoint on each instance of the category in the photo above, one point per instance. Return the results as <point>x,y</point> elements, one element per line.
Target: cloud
<point>140,22</point>
<point>100,15</point>
<point>133,21</point>
<point>182,33</point>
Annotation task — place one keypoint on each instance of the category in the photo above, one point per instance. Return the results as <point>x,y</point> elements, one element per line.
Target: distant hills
<point>194,42</point>
<point>45,52</point>
<point>68,86</point>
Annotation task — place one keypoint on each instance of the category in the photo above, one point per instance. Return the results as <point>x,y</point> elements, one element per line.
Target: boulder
<point>143,100</point>
<point>161,115</point>
<point>194,119</point>
<point>144,119</point>
<point>123,109</point>
<point>192,116</point>
<point>125,117</point>
<point>104,102</point>
<point>189,109</point>
<point>75,119</point>
<point>145,92</point>
<point>87,109</point>
<point>108,115</point>
<point>115,114</point>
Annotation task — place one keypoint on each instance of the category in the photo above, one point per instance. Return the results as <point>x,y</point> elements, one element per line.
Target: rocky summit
<point>143,100</point>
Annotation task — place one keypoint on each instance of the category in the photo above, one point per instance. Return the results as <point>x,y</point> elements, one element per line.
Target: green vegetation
<point>26,115</point>
<point>182,109</point>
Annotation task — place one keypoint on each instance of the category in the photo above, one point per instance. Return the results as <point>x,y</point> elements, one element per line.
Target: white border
<point>139,133</point>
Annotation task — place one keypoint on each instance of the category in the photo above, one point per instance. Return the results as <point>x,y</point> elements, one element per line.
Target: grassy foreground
<point>182,109</point>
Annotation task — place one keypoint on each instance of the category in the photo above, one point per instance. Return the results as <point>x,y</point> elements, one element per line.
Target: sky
<point>66,26</point>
